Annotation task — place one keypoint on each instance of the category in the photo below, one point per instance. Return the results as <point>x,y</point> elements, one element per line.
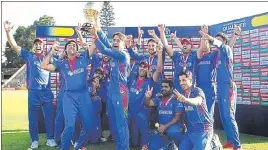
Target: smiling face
<point>119,41</point>
<point>152,47</point>
<point>185,82</point>
<point>186,47</point>
<point>143,69</point>
<point>71,49</point>
<point>38,47</point>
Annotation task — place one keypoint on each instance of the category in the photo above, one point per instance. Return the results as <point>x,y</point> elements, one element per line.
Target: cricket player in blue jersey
<point>59,119</point>
<point>206,71</point>
<point>168,112</point>
<point>77,101</point>
<point>39,92</point>
<point>185,59</point>
<point>103,94</point>
<point>117,90</point>
<point>138,112</point>
<point>226,89</point>
<point>94,87</point>
<point>199,124</point>
<point>152,59</point>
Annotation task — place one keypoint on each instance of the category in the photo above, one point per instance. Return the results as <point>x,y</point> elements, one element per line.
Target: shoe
<point>228,145</point>
<point>83,148</point>
<point>51,143</point>
<point>75,144</point>
<point>110,138</point>
<point>103,139</point>
<point>34,145</point>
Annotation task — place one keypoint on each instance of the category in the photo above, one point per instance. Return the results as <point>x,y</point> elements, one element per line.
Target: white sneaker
<point>75,144</point>
<point>51,143</point>
<point>103,139</point>
<point>34,145</point>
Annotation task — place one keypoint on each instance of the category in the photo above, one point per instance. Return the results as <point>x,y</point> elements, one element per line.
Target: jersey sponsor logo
<point>189,108</point>
<point>77,71</point>
<point>188,64</point>
<point>165,112</point>
<point>204,63</point>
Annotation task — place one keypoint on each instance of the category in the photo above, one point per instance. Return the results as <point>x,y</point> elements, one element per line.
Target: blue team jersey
<point>38,79</point>
<point>103,92</point>
<point>224,64</point>
<point>134,70</point>
<point>206,73</point>
<point>152,62</point>
<point>137,97</point>
<point>96,101</point>
<point>198,118</point>
<point>167,111</point>
<point>179,63</point>
<point>95,63</point>
<point>74,80</point>
<point>120,65</point>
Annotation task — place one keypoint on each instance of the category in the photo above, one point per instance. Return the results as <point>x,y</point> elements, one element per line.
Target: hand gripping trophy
<point>91,13</point>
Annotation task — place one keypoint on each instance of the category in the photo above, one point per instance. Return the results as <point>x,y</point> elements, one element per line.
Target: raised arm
<point>148,101</point>
<point>46,62</point>
<point>132,53</point>
<point>116,54</point>
<point>8,27</point>
<point>197,101</point>
<point>159,69</point>
<point>155,37</point>
<point>103,38</point>
<point>237,32</point>
<point>203,44</point>
<point>140,32</point>
<point>79,33</point>
<point>169,49</point>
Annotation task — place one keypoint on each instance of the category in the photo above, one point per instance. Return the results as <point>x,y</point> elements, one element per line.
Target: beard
<point>166,93</point>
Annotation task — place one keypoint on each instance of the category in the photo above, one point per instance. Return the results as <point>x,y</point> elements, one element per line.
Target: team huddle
<point>132,91</point>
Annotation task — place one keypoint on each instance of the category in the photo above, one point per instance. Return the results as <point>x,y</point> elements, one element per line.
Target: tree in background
<point>107,15</point>
<point>24,36</point>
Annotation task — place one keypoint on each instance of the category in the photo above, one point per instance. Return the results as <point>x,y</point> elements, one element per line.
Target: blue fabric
<point>117,94</point>
<point>76,80</point>
<point>38,79</point>
<point>198,118</point>
<point>227,106</point>
<point>178,62</point>
<point>40,99</point>
<point>195,140</point>
<point>76,104</point>
<point>59,116</point>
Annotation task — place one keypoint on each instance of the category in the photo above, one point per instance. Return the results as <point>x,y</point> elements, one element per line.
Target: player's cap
<point>186,41</point>
<point>38,40</point>
<point>222,35</point>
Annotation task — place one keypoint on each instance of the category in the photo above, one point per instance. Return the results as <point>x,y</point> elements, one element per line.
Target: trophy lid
<point>93,5</point>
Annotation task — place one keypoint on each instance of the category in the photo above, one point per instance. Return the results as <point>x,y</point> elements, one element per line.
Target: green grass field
<point>15,120</point>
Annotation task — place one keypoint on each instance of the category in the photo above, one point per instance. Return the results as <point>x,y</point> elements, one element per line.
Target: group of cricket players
<point>131,90</point>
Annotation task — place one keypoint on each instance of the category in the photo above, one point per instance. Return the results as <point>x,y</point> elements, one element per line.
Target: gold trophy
<point>91,13</point>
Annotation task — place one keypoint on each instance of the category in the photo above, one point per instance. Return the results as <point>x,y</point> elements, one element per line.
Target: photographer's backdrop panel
<point>250,62</point>
<point>250,72</point>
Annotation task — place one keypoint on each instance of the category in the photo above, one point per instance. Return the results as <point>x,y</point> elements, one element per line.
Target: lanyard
<point>185,62</point>
<point>165,104</point>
